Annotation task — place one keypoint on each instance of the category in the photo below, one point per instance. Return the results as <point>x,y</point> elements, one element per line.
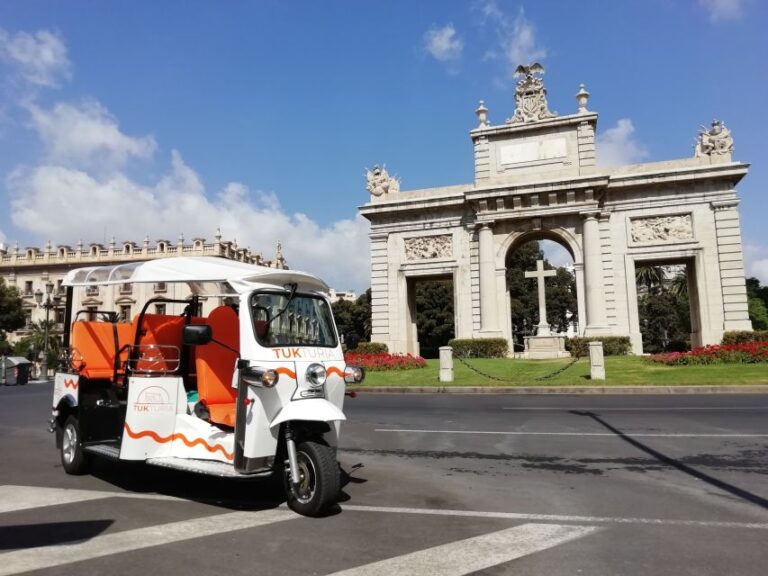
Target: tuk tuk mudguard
<point>66,398</point>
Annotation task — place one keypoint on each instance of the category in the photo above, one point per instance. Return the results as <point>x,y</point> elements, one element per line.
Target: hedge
<point>479,347</point>
<point>612,345</point>
<point>743,336</point>
<point>370,348</point>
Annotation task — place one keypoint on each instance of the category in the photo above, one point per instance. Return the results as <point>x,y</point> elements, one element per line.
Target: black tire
<point>320,482</point>
<point>73,459</point>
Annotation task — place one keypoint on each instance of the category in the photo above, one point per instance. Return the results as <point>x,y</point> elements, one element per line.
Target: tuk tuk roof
<point>203,274</point>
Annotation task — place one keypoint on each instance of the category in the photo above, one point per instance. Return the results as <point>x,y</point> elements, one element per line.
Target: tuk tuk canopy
<point>205,275</point>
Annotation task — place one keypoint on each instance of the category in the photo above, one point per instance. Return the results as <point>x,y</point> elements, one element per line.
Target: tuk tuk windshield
<point>307,320</point>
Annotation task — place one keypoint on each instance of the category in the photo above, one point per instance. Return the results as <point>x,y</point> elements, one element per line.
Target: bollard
<point>596,361</point>
<point>446,364</point>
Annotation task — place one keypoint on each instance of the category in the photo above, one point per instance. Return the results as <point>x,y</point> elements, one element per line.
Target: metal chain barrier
<point>539,379</point>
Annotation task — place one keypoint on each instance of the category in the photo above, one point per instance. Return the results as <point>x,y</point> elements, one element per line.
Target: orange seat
<point>216,365</point>
<point>98,343</point>
<point>162,331</point>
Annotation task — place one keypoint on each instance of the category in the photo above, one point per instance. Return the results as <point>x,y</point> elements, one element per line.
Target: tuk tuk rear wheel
<point>73,459</point>
<point>319,483</point>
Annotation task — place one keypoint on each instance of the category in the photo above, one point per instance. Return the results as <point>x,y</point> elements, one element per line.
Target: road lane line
<point>518,433</point>
<point>473,554</point>
<point>29,559</point>
<point>15,498</point>
<point>644,409</point>
<point>557,517</point>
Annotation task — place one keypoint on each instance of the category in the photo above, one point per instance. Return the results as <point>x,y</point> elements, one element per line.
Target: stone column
<point>593,277</point>
<point>489,321</point>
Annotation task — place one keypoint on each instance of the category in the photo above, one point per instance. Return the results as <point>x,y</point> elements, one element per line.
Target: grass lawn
<point>619,371</point>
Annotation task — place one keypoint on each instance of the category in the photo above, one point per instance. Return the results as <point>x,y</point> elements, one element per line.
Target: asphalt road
<point>434,484</point>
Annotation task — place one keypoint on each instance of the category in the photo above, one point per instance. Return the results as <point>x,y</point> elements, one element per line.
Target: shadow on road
<point>50,533</point>
<point>668,460</point>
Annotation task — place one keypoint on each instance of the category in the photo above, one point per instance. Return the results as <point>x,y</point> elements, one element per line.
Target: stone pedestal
<point>596,361</point>
<point>446,364</point>
<point>545,347</point>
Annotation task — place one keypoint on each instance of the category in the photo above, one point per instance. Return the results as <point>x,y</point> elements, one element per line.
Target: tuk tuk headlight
<point>260,377</point>
<point>353,374</point>
<point>316,375</point>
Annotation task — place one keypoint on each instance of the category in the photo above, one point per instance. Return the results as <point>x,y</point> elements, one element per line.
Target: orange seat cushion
<point>216,365</point>
<point>95,342</point>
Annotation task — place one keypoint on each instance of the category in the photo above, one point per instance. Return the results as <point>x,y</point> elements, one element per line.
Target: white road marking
<point>520,433</point>
<point>118,542</point>
<point>558,517</point>
<point>473,554</point>
<point>645,409</point>
<point>13,498</point>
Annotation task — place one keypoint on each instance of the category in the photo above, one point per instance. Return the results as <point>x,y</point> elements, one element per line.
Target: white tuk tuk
<point>256,387</point>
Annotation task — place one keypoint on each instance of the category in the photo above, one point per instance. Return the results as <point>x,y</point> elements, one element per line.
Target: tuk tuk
<point>253,388</point>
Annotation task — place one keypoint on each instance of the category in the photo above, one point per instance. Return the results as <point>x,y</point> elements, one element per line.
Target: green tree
<point>758,314</point>
<point>11,311</point>
<point>31,345</point>
<point>434,315</point>
<point>353,319</point>
<point>650,279</point>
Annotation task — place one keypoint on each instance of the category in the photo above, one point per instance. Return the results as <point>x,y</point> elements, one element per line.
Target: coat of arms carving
<point>530,95</point>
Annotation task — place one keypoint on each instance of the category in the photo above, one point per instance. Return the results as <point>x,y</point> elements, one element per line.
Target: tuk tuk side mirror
<point>197,334</point>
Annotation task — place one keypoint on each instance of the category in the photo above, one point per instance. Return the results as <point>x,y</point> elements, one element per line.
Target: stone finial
<point>180,241</point>
<point>217,236</point>
<point>112,243</point>
<point>80,245</point>
<point>482,115</point>
<point>379,183</point>
<point>49,247</point>
<point>581,99</point>
<point>715,141</point>
<point>530,95</point>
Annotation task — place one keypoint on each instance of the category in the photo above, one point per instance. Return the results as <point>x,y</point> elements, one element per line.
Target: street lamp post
<point>49,304</point>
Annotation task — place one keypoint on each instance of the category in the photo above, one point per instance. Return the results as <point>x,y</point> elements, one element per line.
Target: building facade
<point>536,177</point>
<point>31,269</point>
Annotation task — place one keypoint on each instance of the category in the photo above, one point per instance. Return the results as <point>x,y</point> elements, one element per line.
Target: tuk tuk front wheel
<point>73,459</point>
<point>319,479</point>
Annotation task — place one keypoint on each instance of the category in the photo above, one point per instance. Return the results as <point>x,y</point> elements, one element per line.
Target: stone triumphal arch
<point>536,176</point>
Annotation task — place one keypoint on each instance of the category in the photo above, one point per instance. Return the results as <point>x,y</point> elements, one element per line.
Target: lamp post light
<point>48,304</point>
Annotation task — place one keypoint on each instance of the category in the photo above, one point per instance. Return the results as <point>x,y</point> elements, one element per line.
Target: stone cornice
<point>734,171</point>
<point>556,122</point>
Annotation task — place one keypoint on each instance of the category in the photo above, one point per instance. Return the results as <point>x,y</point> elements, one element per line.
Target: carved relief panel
<point>428,247</point>
<point>662,229</point>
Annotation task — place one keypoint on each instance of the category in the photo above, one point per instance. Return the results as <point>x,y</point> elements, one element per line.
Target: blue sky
<point>132,118</point>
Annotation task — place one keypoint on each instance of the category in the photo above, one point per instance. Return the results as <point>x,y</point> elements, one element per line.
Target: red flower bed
<point>745,353</point>
<point>384,361</point>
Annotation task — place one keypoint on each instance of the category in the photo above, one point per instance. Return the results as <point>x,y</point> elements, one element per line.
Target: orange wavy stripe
<point>177,436</point>
<point>70,384</point>
<point>288,372</point>
<point>335,370</point>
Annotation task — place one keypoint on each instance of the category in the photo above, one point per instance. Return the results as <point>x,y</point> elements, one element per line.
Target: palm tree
<point>679,284</point>
<point>650,277</point>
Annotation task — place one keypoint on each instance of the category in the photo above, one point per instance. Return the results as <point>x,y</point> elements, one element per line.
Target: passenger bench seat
<point>216,365</point>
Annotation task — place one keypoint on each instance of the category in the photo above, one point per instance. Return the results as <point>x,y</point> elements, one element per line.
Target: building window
<point>127,249</point>
<point>59,318</point>
<point>160,309</point>
<point>126,288</point>
<point>161,246</point>
<point>27,318</point>
<point>161,287</point>
<point>125,313</point>
<point>28,288</point>
<point>59,287</point>
<point>91,290</point>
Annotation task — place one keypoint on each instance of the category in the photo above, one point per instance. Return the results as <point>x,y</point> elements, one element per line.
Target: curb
<point>566,390</point>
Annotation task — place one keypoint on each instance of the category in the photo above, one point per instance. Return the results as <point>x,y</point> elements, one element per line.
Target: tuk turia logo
<point>153,399</point>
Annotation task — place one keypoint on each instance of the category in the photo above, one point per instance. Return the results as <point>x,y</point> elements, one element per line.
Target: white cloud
<point>66,204</point>
<point>40,58</point>
<point>756,262</point>
<point>720,10</point>
<point>443,44</point>
<point>517,42</point>
<point>617,146</point>
<point>86,135</point>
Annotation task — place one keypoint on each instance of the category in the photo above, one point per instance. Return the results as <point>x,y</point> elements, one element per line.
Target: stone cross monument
<point>540,274</point>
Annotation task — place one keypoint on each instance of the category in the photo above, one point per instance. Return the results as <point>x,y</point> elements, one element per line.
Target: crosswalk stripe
<point>14,498</point>
<point>115,543</point>
<point>473,554</point>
